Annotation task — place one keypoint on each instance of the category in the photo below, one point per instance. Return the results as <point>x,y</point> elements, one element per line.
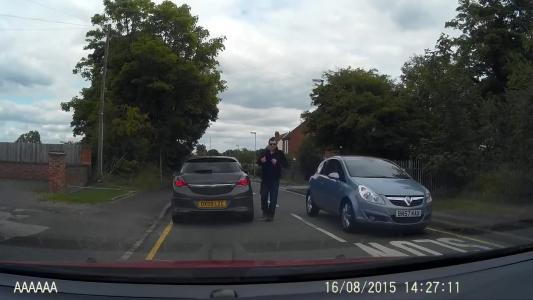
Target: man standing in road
<point>271,162</point>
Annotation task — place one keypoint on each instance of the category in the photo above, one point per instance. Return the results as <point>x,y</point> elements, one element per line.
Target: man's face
<point>272,145</point>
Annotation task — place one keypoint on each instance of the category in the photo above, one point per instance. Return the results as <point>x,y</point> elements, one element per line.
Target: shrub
<point>309,157</point>
<point>504,183</point>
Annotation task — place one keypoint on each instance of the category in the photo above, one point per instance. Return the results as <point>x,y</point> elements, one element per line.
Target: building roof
<point>288,134</point>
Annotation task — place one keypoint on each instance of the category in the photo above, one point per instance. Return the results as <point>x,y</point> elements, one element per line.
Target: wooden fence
<point>38,153</point>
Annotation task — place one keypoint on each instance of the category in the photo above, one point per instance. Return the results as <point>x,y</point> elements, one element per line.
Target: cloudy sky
<point>273,51</point>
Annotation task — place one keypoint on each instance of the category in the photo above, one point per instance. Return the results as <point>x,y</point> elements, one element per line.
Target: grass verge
<point>86,196</point>
<point>475,204</point>
<point>146,180</point>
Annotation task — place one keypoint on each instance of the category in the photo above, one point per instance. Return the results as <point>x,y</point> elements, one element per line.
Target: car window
<point>319,168</point>
<point>325,168</point>
<point>373,168</point>
<point>336,167</point>
<point>211,166</point>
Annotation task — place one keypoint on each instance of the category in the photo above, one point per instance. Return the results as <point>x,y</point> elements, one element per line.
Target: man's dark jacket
<point>270,172</point>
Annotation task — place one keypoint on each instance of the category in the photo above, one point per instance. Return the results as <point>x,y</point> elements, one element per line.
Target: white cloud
<point>236,122</point>
<point>43,116</point>
<point>273,51</point>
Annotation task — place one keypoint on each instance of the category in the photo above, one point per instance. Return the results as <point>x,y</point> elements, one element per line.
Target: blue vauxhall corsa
<point>368,191</point>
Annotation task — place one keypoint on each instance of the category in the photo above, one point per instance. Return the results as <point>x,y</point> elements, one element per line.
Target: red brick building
<point>292,140</point>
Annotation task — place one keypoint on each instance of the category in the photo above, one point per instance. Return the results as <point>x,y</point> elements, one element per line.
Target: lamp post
<point>255,150</point>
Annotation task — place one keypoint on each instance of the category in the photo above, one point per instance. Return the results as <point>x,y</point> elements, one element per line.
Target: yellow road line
<point>159,242</point>
<point>465,237</point>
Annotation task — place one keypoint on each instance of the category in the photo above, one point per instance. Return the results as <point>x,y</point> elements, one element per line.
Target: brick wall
<point>9,170</point>
<point>76,175</point>
<point>57,173</point>
<point>296,140</point>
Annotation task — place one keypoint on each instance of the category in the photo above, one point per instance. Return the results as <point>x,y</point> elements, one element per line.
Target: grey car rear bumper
<point>237,204</point>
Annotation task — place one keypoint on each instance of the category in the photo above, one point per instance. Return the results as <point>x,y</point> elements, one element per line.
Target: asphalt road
<point>140,228</point>
<point>294,235</point>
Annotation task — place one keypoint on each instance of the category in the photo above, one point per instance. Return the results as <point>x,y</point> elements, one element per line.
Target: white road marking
<point>148,231</point>
<point>505,234</point>
<point>460,243</point>
<point>440,244</point>
<point>10,229</point>
<point>378,250</point>
<point>331,235</point>
<point>408,246</point>
<point>466,237</point>
<point>511,235</point>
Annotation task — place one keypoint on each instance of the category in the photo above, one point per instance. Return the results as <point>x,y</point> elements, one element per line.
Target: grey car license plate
<point>408,213</point>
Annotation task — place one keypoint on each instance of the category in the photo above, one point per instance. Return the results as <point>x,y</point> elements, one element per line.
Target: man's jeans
<point>269,189</point>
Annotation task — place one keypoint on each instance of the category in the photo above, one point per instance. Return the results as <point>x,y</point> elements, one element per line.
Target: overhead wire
<point>51,8</point>
<point>41,29</point>
<point>42,20</point>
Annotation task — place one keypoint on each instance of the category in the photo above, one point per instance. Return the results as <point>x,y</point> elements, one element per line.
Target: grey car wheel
<point>347,216</point>
<point>310,206</point>
<point>177,218</point>
<point>248,216</point>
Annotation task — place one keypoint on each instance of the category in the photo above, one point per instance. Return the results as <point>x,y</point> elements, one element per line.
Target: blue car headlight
<point>370,196</point>
<point>428,197</point>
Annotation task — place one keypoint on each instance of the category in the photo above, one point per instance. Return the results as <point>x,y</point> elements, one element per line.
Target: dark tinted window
<point>211,165</point>
<point>370,167</point>
<point>335,166</point>
<point>325,168</point>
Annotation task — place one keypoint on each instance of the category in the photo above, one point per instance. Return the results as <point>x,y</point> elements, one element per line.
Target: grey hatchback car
<point>212,184</point>
<point>368,191</point>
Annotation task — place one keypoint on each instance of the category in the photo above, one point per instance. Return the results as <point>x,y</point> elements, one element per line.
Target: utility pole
<point>101,113</point>
<point>255,150</point>
<point>210,143</point>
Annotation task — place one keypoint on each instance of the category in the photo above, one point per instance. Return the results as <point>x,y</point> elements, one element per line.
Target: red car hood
<point>204,264</point>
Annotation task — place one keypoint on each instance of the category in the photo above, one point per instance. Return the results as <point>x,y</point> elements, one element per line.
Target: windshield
<point>189,133</point>
<point>211,166</point>
<point>373,168</point>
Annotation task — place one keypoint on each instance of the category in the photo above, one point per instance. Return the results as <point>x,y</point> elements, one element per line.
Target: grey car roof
<point>357,156</point>
<point>212,156</point>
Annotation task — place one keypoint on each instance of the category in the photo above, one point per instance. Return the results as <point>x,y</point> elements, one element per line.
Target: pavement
<point>140,228</point>
<point>32,229</point>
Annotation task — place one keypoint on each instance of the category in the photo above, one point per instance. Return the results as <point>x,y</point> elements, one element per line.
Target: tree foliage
<point>213,152</point>
<point>358,112</point>
<point>464,108</point>
<point>309,157</point>
<point>162,86</point>
<point>201,150</point>
<point>31,136</point>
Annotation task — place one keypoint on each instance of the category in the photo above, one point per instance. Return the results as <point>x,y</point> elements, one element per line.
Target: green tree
<point>201,150</point>
<point>359,112</point>
<point>446,107</point>
<point>162,86</point>
<point>213,152</point>
<point>32,136</point>
<point>494,45</point>
<point>474,91</point>
<point>309,157</point>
